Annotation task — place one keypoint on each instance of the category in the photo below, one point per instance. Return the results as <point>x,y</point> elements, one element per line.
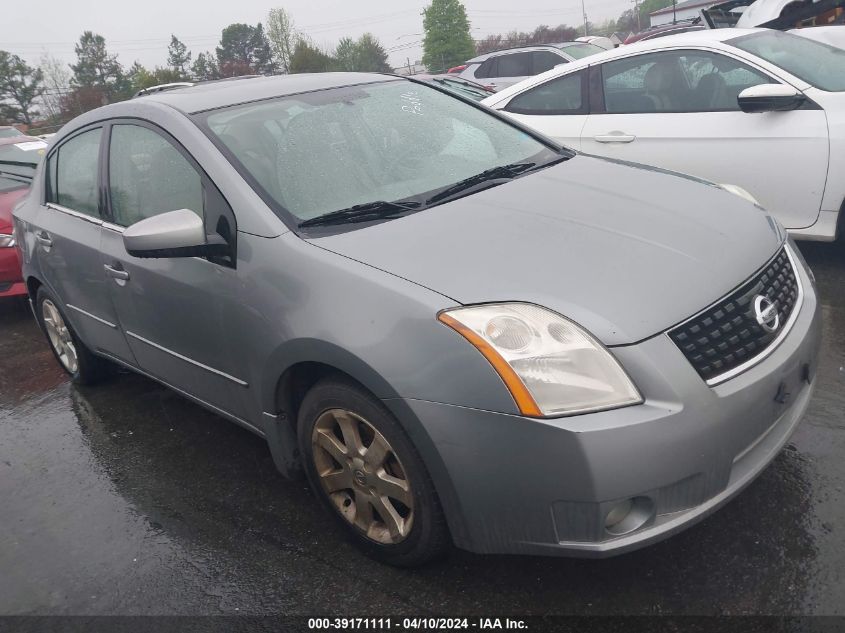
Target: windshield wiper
<point>366,212</point>
<point>501,173</point>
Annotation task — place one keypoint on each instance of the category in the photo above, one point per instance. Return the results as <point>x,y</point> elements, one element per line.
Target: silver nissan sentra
<point>461,332</point>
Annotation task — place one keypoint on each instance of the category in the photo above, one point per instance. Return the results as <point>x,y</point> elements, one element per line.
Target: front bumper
<point>516,485</point>
<point>11,282</point>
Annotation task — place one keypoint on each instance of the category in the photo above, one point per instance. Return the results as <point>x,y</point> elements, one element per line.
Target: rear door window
<point>514,65</point>
<point>73,173</point>
<point>545,60</point>
<point>563,95</point>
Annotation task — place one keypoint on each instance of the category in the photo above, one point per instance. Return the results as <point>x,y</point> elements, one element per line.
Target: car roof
<point>689,38</point>
<point>559,46</point>
<point>218,94</point>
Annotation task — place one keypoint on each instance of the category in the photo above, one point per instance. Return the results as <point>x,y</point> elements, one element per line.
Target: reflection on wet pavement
<point>126,498</point>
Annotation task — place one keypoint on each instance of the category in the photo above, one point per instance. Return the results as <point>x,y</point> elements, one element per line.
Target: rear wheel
<point>76,359</point>
<point>366,471</point>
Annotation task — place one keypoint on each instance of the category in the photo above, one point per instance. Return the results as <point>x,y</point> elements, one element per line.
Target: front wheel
<point>363,467</point>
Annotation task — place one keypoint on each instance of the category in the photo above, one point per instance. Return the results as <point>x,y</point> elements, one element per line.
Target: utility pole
<point>674,12</point>
<point>637,9</point>
<point>584,11</point>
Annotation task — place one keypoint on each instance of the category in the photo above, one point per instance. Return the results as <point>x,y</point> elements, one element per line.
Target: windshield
<point>582,50</point>
<point>7,132</point>
<point>818,64</point>
<point>320,152</point>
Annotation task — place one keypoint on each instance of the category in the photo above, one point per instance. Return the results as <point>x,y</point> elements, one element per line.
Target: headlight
<point>6,241</point>
<point>550,365</point>
<point>742,193</point>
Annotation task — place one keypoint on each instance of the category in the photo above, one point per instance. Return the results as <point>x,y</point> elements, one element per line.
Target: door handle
<point>116,273</point>
<point>614,137</point>
<point>44,239</point>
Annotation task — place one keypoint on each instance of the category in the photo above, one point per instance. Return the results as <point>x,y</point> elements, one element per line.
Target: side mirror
<point>173,234</point>
<point>770,98</point>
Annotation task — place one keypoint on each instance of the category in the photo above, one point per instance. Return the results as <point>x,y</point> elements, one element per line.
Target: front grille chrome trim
<point>775,343</point>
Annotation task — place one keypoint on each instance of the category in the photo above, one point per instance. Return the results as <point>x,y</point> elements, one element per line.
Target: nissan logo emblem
<point>766,313</point>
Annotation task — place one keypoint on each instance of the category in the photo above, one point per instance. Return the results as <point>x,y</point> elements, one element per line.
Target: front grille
<point>727,335</point>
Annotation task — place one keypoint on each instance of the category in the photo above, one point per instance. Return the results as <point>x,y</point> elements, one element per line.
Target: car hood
<point>625,251</point>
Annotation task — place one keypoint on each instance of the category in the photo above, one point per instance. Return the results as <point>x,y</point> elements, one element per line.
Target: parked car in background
<point>598,40</point>
<point>830,35</point>
<point>501,69</point>
<point>662,30</point>
<point>7,131</point>
<point>460,330</point>
<point>758,108</point>
<point>464,87</point>
<point>774,14</point>
<point>19,157</point>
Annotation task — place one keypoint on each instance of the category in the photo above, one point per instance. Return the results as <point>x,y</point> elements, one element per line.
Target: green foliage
<point>282,35</point>
<point>141,77</point>
<point>205,67</point>
<point>96,68</point>
<point>307,58</point>
<point>244,50</point>
<point>179,58</point>
<point>447,40</point>
<point>20,86</point>
<point>364,55</point>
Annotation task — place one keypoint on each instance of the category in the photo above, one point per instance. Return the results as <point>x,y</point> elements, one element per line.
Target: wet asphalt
<point>127,499</point>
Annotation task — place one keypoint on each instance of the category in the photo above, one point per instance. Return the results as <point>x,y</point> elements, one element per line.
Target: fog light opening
<point>628,515</point>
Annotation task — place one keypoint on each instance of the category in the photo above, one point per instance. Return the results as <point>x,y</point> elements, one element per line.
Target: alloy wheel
<point>362,476</point>
<point>59,336</point>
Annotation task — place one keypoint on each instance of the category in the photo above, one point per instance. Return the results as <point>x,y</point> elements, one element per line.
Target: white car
<point>758,108</point>
<point>504,68</point>
<point>831,35</point>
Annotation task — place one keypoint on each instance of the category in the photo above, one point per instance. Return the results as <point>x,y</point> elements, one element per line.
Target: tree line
<point>53,92</point>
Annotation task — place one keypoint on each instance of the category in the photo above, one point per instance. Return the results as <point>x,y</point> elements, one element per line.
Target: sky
<point>141,30</point>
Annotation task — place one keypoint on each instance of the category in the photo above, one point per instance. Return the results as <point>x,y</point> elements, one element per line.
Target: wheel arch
<point>301,364</point>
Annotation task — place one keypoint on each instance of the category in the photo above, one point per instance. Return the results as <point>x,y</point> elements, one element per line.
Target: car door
<point>176,312</point>
<point>558,107</point>
<point>67,232</point>
<point>678,109</point>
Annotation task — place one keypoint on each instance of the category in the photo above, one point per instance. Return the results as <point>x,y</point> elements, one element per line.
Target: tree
<point>371,56</point>
<point>364,55</point>
<point>140,77</point>
<point>96,68</point>
<point>20,86</point>
<point>56,85</point>
<point>345,54</point>
<point>179,58</point>
<point>307,58</point>
<point>244,50</point>
<point>262,53</point>
<point>205,67</point>
<point>447,40</point>
<point>283,37</point>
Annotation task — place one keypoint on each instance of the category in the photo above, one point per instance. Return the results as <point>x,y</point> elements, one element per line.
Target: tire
<point>397,485</point>
<point>83,366</point>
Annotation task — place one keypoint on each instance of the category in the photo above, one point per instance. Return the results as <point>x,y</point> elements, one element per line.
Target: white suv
<point>501,69</point>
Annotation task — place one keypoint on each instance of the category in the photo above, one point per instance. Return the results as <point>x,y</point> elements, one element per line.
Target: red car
<point>19,157</point>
